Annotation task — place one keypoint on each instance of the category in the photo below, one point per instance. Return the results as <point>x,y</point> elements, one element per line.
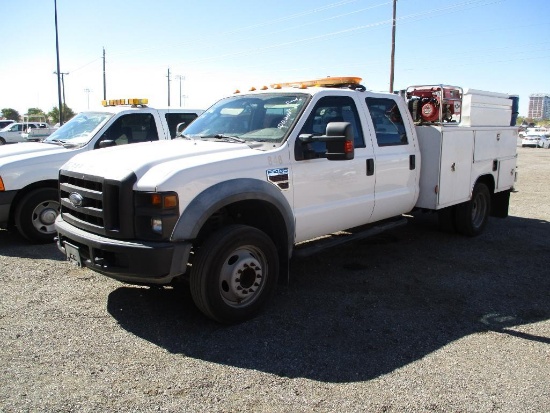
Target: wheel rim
<point>479,210</point>
<point>242,277</point>
<point>44,215</point>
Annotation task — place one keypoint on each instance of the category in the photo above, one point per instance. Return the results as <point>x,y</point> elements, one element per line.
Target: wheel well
<point>24,191</point>
<point>489,181</point>
<point>255,213</point>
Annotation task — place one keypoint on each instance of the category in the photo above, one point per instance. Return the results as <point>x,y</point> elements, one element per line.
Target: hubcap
<point>479,210</point>
<point>242,276</point>
<point>43,217</point>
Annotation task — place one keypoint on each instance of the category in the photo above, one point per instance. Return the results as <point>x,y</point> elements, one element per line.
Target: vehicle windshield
<point>262,120</point>
<point>80,129</point>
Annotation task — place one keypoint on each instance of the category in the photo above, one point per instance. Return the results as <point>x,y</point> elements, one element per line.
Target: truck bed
<point>453,157</point>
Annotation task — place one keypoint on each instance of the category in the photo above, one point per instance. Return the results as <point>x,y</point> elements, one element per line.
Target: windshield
<point>79,130</point>
<point>262,119</point>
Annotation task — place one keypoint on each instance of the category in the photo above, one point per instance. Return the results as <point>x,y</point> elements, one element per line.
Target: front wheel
<point>472,216</point>
<point>234,273</point>
<point>35,215</point>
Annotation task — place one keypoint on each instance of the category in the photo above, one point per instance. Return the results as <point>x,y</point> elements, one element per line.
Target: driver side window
<point>133,128</point>
<point>333,109</point>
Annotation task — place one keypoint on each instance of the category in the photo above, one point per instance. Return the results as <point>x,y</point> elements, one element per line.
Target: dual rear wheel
<point>469,218</point>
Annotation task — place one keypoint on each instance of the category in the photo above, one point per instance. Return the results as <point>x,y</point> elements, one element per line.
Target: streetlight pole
<point>393,46</point>
<point>104,79</point>
<point>168,76</point>
<point>180,77</point>
<point>87,91</point>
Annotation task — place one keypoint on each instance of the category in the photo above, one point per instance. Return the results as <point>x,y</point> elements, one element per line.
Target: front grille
<point>98,205</point>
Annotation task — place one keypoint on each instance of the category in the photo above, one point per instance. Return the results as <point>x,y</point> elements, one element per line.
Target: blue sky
<point>217,46</point>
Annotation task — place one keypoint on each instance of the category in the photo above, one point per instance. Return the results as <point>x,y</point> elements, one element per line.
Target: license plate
<point>73,255</point>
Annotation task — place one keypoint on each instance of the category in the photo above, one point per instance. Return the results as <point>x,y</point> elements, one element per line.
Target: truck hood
<point>119,162</point>
<point>27,149</point>
<point>44,159</point>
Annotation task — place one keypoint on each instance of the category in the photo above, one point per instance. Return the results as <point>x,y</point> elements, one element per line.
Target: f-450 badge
<point>278,176</point>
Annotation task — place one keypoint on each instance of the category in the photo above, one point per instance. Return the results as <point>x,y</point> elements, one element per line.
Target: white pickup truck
<point>260,175</point>
<point>29,197</point>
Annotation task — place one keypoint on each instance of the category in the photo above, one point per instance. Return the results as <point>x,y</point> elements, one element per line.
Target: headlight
<point>156,214</point>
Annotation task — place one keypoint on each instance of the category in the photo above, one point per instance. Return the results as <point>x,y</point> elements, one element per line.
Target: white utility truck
<point>29,196</point>
<point>271,174</point>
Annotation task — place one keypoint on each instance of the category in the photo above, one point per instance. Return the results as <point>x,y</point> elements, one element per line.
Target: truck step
<point>311,247</point>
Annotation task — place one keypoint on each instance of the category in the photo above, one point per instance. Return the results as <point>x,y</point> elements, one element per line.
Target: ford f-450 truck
<point>29,197</point>
<point>267,175</point>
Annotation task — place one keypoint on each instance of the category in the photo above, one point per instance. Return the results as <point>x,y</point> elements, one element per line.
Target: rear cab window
<point>388,122</point>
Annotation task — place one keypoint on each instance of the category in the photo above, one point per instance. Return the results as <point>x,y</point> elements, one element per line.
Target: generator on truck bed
<point>259,175</point>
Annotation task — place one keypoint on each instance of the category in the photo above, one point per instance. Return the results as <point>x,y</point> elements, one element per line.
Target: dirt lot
<point>412,320</point>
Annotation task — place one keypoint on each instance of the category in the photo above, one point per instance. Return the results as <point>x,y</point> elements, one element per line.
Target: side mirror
<point>339,143</point>
<point>339,139</point>
<point>180,128</point>
<point>106,144</point>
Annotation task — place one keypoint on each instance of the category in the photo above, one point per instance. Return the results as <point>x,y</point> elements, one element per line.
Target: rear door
<point>397,162</point>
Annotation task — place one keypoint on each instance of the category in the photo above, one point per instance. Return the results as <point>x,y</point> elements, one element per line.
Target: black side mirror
<point>106,144</point>
<point>339,143</point>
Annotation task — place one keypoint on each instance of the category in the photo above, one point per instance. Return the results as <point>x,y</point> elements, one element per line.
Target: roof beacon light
<point>324,82</point>
<point>119,102</point>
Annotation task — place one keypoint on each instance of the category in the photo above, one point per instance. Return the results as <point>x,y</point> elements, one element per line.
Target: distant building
<point>539,106</point>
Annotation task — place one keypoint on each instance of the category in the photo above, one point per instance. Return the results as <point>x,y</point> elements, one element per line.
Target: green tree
<point>53,114</point>
<point>35,113</point>
<point>10,113</point>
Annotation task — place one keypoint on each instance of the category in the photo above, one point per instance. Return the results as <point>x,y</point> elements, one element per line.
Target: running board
<point>304,249</point>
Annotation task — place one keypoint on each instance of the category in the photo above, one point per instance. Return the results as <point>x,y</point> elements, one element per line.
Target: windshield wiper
<point>54,141</point>
<point>228,138</point>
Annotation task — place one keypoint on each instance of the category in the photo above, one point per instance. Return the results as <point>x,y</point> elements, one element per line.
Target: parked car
<point>532,141</point>
<point>20,131</point>
<point>5,122</point>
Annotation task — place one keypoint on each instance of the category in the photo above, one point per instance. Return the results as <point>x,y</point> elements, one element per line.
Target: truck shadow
<point>14,245</point>
<point>363,310</point>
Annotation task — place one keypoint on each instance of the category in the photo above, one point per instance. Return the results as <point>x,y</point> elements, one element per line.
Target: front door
<point>332,195</point>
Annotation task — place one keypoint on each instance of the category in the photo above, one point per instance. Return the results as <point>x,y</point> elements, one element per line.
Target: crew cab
<point>281,172</point>
<point>29,198</point>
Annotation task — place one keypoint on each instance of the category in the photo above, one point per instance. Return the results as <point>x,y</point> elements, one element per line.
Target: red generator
<point>434,103</point>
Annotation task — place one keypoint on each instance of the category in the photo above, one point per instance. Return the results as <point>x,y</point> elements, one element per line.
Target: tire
<point>472,216</point>
<point>217,286</point>
<point>446,218</point>
<point>2,141</point>
<point>35,215</point>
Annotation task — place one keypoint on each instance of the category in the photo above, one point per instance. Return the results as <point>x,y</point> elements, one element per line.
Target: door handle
<point>412,162</point>
<point>370,167</point>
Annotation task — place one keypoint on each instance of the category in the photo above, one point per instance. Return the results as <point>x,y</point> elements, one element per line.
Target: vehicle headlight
<point>156,214</point>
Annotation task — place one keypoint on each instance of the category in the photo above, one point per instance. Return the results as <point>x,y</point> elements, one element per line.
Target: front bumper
<point>133,262</point>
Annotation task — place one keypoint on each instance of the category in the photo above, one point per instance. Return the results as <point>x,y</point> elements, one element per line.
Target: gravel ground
<point>413,320</point>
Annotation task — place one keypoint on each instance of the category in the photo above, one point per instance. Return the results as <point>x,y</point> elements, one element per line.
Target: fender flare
<point>224,193</point>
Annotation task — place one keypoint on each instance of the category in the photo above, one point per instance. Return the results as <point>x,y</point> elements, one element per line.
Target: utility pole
<point>58,71</point>
<point>62,74</point>
<point>393,46</point>
<point>168,76</point>
<point>104,79</point>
